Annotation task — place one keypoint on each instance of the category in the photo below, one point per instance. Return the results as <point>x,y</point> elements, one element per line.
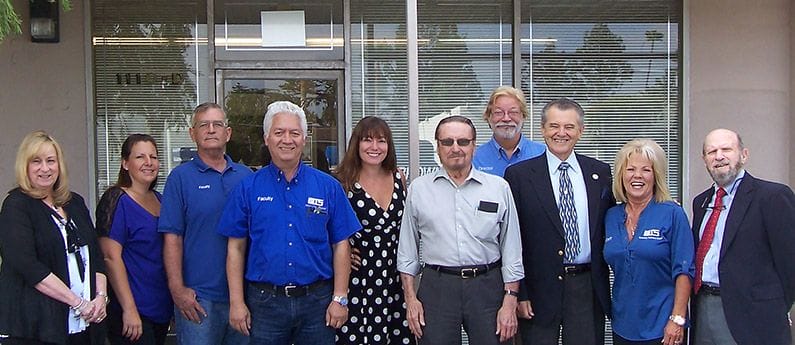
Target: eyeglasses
<point>204,125</point>
<point>499,113</point>
<point>460,141</point>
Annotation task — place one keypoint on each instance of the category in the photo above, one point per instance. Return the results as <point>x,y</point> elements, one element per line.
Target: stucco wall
<point>43,86</point>
<point>740,78</point>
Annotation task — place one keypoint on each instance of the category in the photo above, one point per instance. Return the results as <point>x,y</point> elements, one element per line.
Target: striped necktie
<point>568,215</point>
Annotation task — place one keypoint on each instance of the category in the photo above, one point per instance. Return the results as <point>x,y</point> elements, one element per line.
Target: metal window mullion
<point>413,88</point>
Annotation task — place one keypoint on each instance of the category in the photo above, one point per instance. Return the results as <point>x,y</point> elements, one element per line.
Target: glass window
<point>620,60</point>
<point>465,52</point>
<point>379,80</point>
<point>240,35</point>
<point>150,68</point>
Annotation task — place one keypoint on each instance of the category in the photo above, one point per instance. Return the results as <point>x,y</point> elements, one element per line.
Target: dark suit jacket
<point>32,247</point>
<point>757,260</point>
<point>543,238</point>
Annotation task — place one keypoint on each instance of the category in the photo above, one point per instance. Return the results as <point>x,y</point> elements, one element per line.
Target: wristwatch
<point>679,320</point>
<point>342,300</point>
<point>512,293</point>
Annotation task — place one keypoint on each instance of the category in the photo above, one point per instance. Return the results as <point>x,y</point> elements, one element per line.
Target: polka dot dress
<point>376,312</point>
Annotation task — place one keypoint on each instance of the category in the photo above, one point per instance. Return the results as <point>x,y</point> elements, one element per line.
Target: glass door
<point>246,94</point>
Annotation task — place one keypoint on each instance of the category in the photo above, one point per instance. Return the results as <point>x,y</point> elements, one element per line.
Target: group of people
<point>510,238</point>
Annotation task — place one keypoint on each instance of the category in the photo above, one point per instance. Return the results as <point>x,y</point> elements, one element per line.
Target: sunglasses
<point>460,141</point>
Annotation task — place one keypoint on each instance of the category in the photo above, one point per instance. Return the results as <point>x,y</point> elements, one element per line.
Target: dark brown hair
<point>124,179</point>
<point>369,127</point>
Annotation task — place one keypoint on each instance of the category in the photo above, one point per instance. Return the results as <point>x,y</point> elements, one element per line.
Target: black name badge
<point>488,206</point>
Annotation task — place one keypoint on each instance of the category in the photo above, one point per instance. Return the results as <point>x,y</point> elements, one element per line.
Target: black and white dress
<point>376,310</point>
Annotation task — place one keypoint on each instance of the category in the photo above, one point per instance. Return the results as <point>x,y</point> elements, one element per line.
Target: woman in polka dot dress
<point>376,190</point>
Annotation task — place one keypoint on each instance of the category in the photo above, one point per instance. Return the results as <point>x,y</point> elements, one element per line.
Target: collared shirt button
<point>290,225</point>
<point>290,244</point>
<point>289,264</point>
<point>560,277</point>
<point>288,188</point>
<point>289,206</point>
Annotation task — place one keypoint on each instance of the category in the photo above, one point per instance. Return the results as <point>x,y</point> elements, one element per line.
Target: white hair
<point>283,107</point>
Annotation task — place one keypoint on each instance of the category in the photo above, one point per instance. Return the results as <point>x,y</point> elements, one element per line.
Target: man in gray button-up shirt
<point>471,249</point>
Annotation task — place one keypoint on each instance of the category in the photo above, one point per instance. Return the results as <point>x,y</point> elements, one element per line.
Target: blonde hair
<point>654,153</point>
<point>507,91</point>
<point>31,145</point>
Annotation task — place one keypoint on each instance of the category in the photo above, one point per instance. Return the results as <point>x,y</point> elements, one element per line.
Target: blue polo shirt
<point>291,225</point>
<point>491,158</point>
<point>646,269</point>
<point>193,199</point>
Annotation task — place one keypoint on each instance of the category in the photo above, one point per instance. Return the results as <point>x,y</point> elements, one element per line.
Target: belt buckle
<point>469,273</point>
<point>288,290</point>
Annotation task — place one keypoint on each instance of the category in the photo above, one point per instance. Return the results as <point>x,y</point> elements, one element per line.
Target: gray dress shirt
<point>471,224</point>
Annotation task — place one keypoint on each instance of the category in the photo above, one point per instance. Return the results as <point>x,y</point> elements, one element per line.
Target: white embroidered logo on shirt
<point>206,186</point>
<point>314,201</point>
<point>264,198</point>
<point>651,234</point>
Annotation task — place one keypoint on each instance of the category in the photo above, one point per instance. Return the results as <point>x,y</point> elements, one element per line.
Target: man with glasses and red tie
<point>505,113</point>
<point>744,230</point>
<point>471,262</point>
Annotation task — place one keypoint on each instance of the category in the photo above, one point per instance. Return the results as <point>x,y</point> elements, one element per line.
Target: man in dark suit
<point>562,198</point>
<point>744,231</point>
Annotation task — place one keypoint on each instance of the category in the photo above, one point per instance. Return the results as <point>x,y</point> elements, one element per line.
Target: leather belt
<point>576,268</point>
<point>709,290</point>
<point>290,290</point>
<point>466,271</point>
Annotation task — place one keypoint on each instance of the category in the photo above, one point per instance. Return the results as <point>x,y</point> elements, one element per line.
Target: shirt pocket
<point>314,229</point>
<point>486,225</point>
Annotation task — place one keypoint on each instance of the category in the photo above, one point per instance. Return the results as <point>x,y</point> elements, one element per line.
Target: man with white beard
<point>505,113</point>
<point>745,239</point>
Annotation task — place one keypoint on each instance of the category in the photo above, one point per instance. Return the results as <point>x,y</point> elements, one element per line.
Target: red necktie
<point>706,238</point>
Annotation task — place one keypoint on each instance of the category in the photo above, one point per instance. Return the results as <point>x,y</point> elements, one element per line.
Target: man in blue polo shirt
<point>295,221</point>
<point>505,113</point>
<point>194,253</point>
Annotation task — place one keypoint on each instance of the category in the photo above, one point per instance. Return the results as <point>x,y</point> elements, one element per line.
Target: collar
<point>553,162</point>
<point>278,174</point>
<point>519,145</point>
<point>203,167</point>
<point>474,175</point>
<point>732,187</point>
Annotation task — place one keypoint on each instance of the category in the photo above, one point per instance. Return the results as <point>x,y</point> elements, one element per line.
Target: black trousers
<point>582,320</point>
<point>82,338</point>
<point>618,340</point>
<point>153,333</point>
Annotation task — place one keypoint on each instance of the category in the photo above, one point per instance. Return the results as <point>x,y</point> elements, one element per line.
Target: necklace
<point>631,226</point>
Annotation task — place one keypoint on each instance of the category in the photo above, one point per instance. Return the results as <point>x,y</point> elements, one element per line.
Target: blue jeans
<point>281,320</point>
<point>213,329</point>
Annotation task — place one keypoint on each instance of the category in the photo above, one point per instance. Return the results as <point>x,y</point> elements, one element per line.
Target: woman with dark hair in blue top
<point>127,215</point>
<point>649,248</point>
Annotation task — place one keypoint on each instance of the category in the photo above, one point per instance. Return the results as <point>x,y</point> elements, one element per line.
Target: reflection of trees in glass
<point>246,106</point>
<point>444,68</point>
<point>144,81</point>
<point>445,71</point>
<point>144,73</point>
<point>652,36</point>
<point>592,71</point>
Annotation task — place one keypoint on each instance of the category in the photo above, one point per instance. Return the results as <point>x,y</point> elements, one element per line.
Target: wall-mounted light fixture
<point>44,21</point>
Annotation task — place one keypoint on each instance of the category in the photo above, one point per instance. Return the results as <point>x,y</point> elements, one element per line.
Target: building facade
<point>660,69</point>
